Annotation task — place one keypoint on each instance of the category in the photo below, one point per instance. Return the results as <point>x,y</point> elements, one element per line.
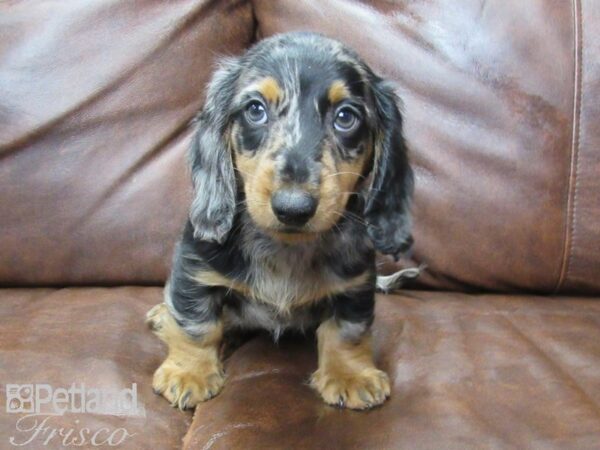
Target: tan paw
<point>364,390</point>
<point>154,317</point>
<point>185,388</point>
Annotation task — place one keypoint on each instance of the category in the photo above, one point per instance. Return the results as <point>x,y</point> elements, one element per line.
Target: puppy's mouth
<point>291,230</point>
<point>293,234</point>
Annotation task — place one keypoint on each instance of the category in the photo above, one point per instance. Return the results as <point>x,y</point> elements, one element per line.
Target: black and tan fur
<point>276,126</point>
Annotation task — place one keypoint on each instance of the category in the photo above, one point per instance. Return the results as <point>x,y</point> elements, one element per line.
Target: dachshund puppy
<point>300,173</point>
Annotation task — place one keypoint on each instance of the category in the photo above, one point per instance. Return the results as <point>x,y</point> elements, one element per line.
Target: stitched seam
<point>577,131</point>
<point>574,169</point>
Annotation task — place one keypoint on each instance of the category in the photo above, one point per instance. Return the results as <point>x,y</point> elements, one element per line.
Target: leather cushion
<point>95,337</point>
<point>501,116</point>
<point>468,372</point>
<point>96,98</point>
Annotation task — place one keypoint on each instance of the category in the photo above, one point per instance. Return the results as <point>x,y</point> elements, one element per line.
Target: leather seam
<point>571,213</point>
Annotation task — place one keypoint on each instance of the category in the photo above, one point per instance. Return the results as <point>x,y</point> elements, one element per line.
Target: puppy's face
<point>295,125</point>
<point>302,137</point>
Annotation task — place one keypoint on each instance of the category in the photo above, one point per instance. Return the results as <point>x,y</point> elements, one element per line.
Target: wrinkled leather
<point>96,98</point>
<point>581,269</point>
<point>92,336</point>
<point>468,372</point>
<point>488,89</point>
<point>501,114</point>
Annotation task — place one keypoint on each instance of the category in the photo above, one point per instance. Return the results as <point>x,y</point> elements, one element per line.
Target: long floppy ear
<point>213,177</point>
<point>387,208</point>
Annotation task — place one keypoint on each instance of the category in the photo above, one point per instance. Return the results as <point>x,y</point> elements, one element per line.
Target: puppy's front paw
<point>362,390</point>
<point>185,388</point>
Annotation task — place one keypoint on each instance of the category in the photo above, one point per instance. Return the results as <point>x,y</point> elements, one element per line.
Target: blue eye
<point>256,113</point>
<point>345,120</point>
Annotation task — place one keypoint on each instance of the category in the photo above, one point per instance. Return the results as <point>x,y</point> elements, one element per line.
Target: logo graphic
<point>78,398</point>
<point>19,398</point>
<point>37,406</point>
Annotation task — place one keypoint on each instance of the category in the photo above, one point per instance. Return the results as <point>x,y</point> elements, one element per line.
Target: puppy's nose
<point>293,207</point>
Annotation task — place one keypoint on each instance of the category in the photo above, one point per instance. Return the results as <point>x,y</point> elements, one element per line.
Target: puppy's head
<point>291,131</point>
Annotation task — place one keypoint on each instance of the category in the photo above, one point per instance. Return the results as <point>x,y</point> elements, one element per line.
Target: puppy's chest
<point>286,281</point>
<point>286,284</point>
<point>280,294</point>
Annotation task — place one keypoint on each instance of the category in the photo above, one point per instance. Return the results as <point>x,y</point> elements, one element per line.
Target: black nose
<point>293,207</point>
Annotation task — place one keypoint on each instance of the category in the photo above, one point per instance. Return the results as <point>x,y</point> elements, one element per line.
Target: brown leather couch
<point>497,345</point>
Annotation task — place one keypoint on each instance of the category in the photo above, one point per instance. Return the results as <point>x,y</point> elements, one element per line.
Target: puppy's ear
<point>387,207</point>
<point>213,177</point>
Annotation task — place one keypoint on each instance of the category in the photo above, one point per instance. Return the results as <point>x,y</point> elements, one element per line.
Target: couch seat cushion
<point>94,337</point>
<point>468,371</point>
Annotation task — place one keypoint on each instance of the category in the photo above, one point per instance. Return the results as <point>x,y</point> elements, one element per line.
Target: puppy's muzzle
<point>293,207</point>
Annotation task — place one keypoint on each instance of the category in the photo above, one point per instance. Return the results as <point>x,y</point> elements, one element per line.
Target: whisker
<point>352,216</point>
<point>256,202</point>
<point>344,173</point>
<point>337,227</point>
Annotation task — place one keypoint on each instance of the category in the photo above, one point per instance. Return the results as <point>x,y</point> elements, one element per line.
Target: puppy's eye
<point>346,120</point>
<point>256,113</point>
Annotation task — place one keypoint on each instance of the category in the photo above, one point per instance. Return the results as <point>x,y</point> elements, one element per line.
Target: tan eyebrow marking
<point>270,89</point>
<point>338,91</point>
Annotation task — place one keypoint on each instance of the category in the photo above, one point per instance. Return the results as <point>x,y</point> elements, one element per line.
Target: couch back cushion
<point>96,97</point>
<point>501,113</point>
<point>500,103</point>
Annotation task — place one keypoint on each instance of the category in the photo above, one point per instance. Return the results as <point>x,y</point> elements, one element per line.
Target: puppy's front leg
<point>192,372</point>
<point>347,376</point>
